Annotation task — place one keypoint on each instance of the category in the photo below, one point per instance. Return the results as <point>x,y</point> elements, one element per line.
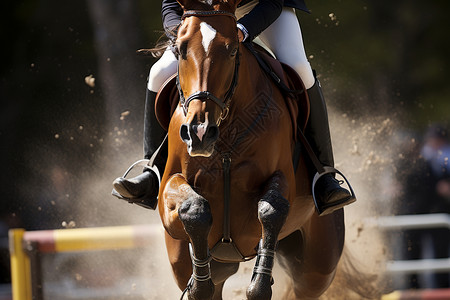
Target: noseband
<point>206,95</point>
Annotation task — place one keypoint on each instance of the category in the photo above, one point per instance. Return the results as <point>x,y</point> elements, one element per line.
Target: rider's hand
<point>240,35</point>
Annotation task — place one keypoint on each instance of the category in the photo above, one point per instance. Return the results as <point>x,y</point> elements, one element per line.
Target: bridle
<point>206,95</point>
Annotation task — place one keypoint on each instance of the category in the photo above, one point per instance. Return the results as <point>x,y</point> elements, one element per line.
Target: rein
<point>206,95</point>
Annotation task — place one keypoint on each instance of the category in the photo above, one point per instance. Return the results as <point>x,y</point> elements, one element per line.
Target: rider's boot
<point>330,196</point>
<point>143,189</point>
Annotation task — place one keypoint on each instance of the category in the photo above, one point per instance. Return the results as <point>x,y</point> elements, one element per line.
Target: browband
<point>208,13</point>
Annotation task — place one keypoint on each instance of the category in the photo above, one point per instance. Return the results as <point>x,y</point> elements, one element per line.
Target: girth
<point>225,250</point>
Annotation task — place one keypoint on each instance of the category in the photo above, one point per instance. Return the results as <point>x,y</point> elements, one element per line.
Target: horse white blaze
<point>208,34</point>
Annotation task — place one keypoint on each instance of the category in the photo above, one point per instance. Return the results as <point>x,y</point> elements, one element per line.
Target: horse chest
<point>247,176</point>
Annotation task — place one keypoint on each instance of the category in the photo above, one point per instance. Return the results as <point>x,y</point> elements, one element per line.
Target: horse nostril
<point>212,133</point>
<point>184,133</point>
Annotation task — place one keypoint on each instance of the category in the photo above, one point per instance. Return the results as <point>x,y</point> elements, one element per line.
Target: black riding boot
<point>143,189</point>
<point>330,196</point>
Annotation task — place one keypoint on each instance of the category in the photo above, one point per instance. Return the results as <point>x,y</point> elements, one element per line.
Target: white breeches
<point>161,70</point>
<point>283,37</point>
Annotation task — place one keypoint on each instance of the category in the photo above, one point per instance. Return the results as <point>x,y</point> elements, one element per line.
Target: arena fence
<point>410,222</point>
<point>441,265</point>
<point>26,246</point>
<point>431,294</point>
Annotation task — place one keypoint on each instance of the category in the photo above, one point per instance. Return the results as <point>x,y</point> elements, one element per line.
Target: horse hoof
<point>203,290</point>
<point>260,288</point>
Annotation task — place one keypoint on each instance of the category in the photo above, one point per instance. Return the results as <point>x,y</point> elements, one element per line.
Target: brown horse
<point>232,194</point>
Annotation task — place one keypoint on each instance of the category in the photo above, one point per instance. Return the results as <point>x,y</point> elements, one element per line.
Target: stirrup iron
<point>330,170</point>
<point>145,163</point>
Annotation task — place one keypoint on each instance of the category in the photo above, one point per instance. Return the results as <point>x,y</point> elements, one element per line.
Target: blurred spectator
<point>436,152</point>
<point>426,189</point>
<point>436,243</point>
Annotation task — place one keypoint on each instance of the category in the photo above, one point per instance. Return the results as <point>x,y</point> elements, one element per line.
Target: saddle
<point>166,101</point>
<point>297,100</point>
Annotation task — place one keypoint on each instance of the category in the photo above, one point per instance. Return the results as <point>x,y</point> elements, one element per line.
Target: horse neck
<point>251,81</point>
<point>247,75</point>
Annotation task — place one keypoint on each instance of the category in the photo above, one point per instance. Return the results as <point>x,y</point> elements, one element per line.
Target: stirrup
<point>330,207</point>
<point>145,163</point>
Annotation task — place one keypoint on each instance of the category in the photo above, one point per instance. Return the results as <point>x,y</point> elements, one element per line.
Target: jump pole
<point>26,246</point>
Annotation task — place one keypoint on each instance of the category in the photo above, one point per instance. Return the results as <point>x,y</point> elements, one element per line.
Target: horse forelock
<point>208,2</point>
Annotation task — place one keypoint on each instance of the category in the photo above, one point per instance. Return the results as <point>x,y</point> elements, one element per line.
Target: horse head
<point>208,49</point>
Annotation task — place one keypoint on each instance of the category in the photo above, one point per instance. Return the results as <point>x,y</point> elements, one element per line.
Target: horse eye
<point>234,52</point>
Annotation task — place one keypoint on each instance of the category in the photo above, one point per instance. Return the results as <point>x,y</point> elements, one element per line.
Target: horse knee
<point>273,209</point>
<point>195,214</point>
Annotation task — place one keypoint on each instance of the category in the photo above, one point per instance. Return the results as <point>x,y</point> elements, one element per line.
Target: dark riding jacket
<point>264,14</point>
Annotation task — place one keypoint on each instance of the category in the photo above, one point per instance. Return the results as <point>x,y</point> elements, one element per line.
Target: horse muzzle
<point>200,138</point>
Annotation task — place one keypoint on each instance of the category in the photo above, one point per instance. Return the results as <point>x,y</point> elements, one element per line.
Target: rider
<point>277,26</point>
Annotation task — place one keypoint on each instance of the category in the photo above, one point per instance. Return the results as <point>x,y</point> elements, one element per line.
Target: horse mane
<point>161,45</point>
<point>207,2</point>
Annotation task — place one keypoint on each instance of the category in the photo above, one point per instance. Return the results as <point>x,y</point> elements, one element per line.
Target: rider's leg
<point>330,196</point>
<point>284,38</point>
<point>143,189</point>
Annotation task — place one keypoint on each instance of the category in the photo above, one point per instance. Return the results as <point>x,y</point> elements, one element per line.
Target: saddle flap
<point>298,105</point>
<point>166,102</point>
<point>302,101</point>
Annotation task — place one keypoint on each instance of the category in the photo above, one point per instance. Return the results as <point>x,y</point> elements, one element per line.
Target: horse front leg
<point>195,214</point>
<point>273,209</point>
